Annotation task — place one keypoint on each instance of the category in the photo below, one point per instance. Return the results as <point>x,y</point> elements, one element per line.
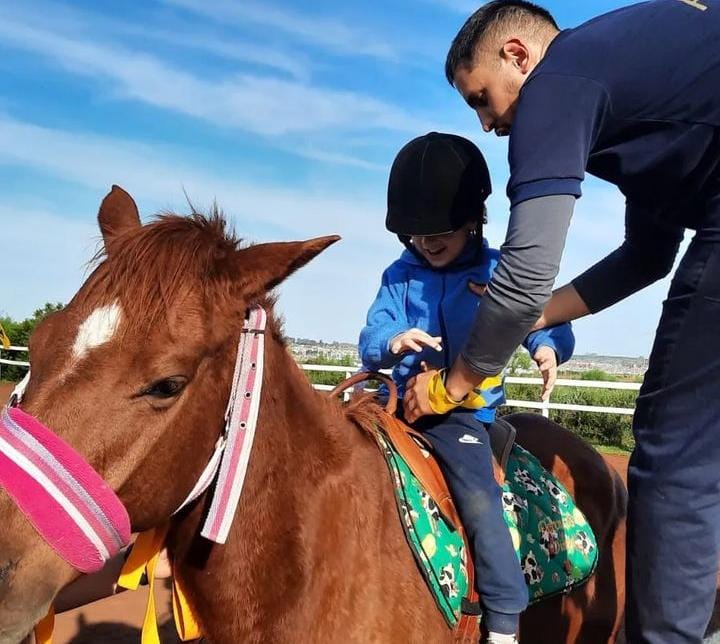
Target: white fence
<point>544,407</point>
<point>14,363</point>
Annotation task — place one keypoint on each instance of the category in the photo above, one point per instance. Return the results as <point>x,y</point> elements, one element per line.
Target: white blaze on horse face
<point>98,329</point>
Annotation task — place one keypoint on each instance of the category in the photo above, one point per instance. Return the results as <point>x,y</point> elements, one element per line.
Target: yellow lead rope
<point>44,628</point>
<point>143,558</point>
<point>185,622</point>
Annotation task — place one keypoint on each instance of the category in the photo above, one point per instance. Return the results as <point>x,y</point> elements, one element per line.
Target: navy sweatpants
<point>674,475</point>
<point>462,447</point>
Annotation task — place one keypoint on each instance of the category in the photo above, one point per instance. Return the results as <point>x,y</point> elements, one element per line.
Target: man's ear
<point>117,215</point>
<point>263,266</point>
<point>517,53</point>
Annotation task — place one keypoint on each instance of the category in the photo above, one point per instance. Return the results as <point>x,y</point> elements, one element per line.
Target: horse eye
<point>166,388</point>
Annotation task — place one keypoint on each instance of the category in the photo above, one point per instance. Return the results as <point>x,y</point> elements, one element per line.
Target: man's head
<point>494,53</point>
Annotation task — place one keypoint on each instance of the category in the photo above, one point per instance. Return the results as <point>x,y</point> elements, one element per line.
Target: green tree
<point>597,374</point>
<point>519,362</point>
<point>19,333</point>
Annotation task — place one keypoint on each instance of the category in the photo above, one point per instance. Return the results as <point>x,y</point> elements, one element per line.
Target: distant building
<point>306,350</point>
<point>615,365</point>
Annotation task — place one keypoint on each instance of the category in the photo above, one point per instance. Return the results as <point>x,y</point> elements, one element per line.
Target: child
<point>420,318</point>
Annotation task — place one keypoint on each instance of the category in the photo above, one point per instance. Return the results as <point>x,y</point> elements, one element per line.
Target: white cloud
<point>43,258</point>
<point>317,31</point>
<point>296,65</point>
<point>48,248</point>
<point>261,105</point>
<point>159,175</point>
<point>72,22</point>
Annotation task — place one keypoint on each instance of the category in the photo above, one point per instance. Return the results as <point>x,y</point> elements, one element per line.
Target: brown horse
<point>316,553</point>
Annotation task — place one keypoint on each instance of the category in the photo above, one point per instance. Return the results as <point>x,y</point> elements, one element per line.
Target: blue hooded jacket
<point>439,301</point>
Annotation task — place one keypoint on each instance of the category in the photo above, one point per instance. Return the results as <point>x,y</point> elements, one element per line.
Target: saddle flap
<point>502,438</point>
<point>425,469</point>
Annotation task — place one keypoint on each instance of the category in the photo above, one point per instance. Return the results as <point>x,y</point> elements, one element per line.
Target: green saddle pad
<point>554,543</point>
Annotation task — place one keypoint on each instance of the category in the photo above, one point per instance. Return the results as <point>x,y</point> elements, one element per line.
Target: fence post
<point>545,410</point>
<point>346,394</point>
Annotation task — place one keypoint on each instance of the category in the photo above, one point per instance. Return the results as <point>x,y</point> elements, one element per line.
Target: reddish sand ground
<point>117,620</point>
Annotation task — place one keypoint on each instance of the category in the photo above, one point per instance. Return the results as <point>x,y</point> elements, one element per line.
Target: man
<point>632,97</point>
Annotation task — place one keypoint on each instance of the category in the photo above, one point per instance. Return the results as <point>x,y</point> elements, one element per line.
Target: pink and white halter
<point>78,514</point>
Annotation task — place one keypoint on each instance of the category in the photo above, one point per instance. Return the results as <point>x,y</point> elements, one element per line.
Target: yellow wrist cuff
<point>439,399</point>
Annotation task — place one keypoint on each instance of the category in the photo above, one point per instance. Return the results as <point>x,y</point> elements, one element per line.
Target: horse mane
<point>364,411</point>
<point>166,261</point>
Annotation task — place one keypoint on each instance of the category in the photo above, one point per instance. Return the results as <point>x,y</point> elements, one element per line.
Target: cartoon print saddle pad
<point>553,541</point>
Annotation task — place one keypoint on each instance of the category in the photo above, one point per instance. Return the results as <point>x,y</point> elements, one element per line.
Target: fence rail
<point>544,407</point>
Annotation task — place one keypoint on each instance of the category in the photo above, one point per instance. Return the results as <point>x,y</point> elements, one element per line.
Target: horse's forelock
<point>166,262</point>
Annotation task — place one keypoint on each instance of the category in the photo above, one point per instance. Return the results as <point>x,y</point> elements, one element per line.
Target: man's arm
<point>646,255</point>
<point>518,290</point>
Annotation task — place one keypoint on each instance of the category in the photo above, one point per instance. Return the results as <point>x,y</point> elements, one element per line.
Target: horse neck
<point>303,447</point>
<point>301,435</point>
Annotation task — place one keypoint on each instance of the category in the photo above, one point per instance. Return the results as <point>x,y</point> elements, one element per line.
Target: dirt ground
<point>118,619</point>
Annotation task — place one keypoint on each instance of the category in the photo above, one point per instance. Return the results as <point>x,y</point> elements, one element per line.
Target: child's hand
<point>414,340</point>
<point>547,363</point>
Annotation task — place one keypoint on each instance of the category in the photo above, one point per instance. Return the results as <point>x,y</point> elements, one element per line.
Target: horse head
<point>133,374</point>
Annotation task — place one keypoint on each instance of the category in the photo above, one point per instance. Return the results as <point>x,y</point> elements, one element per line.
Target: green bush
<point>597,428</point>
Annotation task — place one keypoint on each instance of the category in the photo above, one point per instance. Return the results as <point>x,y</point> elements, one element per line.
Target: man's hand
<point>546,361</point>
<point>416,402</point>
<point>414,340</point>
<point>458,383</point>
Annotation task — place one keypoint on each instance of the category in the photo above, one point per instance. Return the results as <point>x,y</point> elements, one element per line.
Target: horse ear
<point>118,214</point>
<point>264,266</point>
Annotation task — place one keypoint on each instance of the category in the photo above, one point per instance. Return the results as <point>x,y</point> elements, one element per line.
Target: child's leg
<point>462,447</point>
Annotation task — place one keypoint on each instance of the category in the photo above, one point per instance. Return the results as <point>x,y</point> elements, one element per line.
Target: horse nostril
<point>6,572</point>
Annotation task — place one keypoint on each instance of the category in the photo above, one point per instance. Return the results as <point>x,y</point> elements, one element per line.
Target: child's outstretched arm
<point>388,334</point>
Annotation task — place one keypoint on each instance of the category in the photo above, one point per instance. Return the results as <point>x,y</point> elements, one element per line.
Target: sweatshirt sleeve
<point>522,282</point>
<point>560,339</point>
<point>646,255</point>
<point>385,319</point>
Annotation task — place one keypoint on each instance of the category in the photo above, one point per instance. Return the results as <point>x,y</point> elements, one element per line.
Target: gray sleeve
<point>646,255</point>
<point>522,282</point>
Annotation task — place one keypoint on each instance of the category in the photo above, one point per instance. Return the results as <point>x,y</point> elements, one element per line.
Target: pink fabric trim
<point>103,526</point>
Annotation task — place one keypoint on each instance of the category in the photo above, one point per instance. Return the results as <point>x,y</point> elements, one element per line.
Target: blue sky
<point>287,113</point>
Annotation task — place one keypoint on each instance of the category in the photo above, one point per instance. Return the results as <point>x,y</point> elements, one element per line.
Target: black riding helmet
<point>438,183</point>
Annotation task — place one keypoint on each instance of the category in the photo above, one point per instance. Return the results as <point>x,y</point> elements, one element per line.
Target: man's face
<point>491,88</point>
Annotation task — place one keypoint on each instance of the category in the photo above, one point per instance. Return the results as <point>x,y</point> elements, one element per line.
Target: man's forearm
<point>565,305</point>
<point>521,284</point>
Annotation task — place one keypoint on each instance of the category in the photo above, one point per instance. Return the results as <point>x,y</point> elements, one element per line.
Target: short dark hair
<point>483,21</point>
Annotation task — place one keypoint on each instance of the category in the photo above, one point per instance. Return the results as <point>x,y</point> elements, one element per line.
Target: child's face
<point>441,250</point>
